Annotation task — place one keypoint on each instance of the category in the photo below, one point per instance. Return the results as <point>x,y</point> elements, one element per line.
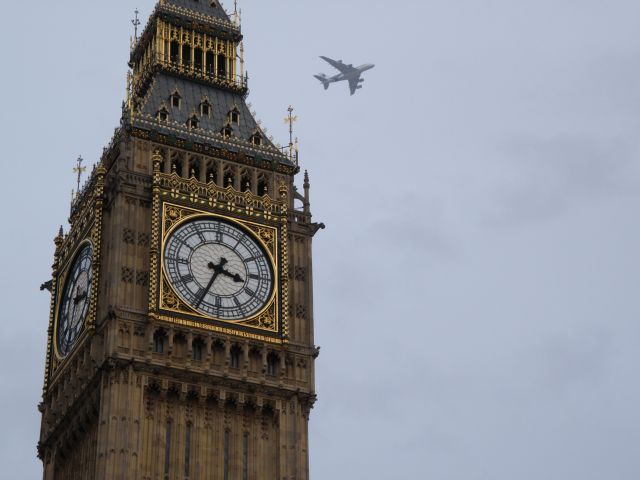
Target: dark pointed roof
<point>211,8</point>
<point>222,102</point>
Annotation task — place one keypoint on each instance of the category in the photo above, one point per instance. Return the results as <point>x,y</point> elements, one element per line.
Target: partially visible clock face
<point>74,305</point>
<point>218,269</point>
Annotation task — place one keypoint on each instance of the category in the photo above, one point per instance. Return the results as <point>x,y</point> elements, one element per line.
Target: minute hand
<point>206,290</point>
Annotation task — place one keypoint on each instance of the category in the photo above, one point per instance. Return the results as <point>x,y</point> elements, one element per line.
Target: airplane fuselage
<point>354,75</point>
<point>348,73</point>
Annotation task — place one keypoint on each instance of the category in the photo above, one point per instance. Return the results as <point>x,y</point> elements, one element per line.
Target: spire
<point>307,187</point>
<point>79,169</point>
<point>136,24</point>
<point>211,8</point>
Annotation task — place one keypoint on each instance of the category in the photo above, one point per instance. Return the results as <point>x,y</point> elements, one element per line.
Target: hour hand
<point>236,277</point>
<point>79,297</point>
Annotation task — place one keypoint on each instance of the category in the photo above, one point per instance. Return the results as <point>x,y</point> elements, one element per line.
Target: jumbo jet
<point>347,72</point>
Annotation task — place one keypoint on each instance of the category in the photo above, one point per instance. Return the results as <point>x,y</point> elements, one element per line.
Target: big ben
<point>180,342</point>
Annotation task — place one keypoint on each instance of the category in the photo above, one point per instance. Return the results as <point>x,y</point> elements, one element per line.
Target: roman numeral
<point>186,279</point>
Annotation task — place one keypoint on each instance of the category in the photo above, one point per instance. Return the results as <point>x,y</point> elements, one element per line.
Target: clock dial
<point>74,305</point>
<point>219,269</point>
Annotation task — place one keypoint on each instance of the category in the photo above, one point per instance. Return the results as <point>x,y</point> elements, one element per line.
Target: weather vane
<point>136,24</point>
<point>79,170</point>
<point>291,119</point>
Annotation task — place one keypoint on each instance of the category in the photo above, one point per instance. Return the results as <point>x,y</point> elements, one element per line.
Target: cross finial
<point>79,169</point>
<point>136,24</point>
<point>291,119</point>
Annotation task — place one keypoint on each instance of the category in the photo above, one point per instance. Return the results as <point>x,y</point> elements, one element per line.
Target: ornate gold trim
<point>175,216</point>
<point>185,322</point>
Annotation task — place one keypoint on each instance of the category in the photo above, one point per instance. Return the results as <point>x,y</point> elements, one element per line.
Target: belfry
<point>180,342</point>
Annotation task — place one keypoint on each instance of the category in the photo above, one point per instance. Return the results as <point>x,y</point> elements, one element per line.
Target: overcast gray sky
<point>477,286</point>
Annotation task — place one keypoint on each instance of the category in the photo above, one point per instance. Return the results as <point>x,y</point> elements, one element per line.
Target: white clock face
<point>218,269</point>
<point>74,306</point>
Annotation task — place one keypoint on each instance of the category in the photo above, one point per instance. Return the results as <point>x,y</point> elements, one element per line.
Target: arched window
<point>229,178</point>
<point>175,99</point>
<point>234,116</point>
<point>263,188</point>
<point>205,108</point>
<point>209,60</point>
<point>256,139</point>
<point>245,182</point>
<point>227,131</point>
<point>159,341</point>
<point>197,59</point>
<point>212,172</point>
<point>174,53</point>
<point>222,66</point>
<point>198,348</point>
<point>193,122</point>
<point>272,364</point>
<point>163,114</point>
<point>186,55</point>
<point>236,351</point>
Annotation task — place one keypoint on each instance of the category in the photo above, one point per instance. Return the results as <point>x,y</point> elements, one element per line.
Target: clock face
<point>219,269</point>
<point>74,305</point>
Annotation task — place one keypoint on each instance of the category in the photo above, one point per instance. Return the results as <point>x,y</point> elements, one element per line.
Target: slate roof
<point>222,102</point>
<point>206,7</point>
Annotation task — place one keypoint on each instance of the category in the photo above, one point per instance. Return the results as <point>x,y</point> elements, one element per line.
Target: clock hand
<point>217,269</point>
<point>236,278</point>
<point>80,296</point>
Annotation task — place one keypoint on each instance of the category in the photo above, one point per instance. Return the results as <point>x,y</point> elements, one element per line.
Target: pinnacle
<point>211,8</point>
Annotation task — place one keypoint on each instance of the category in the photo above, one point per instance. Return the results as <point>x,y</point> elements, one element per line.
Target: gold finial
<point>136,24</point>
<point>291,119</point>
<point>79,169</point>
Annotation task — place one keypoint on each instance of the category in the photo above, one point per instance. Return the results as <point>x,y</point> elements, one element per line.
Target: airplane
<point>347,72</point>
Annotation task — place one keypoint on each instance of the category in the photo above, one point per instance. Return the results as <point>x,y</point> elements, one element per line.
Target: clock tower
<point>180,339</point>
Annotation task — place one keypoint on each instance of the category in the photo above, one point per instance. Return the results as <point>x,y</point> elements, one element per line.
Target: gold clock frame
<point>174,216</point>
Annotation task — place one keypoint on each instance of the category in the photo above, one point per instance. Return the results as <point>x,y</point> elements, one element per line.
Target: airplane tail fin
<point>323,78</point>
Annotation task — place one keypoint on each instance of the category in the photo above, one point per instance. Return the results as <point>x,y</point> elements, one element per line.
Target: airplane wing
<point>354,83</point>
<point>339,65</point>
